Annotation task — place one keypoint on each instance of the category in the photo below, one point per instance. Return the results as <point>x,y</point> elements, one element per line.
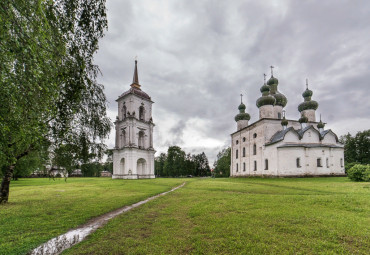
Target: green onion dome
<point>265,99</point>
<point>307,93</point>
<point>241,107</point>
<point>272,81</point>
<point>303,119</point>
<point>320,125</point>
<point>265,88</point>
<point>284,122</point>
<point>242,115</point>
<point>308,104</point>
<point>280,99</point>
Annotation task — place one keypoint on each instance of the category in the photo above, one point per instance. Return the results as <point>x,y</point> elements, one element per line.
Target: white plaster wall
<point>310,114</point>
<point>329,138</point>
<point>278,109</point>
<point>311,136</point>
<point>266,111</point>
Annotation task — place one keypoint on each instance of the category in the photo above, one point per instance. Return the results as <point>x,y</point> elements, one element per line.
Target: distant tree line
<point>356,148</point>
<point>357,155</point>
<point>177,163</point>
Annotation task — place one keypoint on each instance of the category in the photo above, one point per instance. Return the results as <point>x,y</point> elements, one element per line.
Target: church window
<point>243,151</point>
<point>341,162</point>
<point>236,153</point>
<point>327,162</point>
<point>237,166</point>
<point>298,161</point>
<point>141,140</point>
<point>266,164</point>
<point>319,162</point>
<point>279,115</point>
<point>124,110</point>
<point>255,166</point>
<point>254,149</point>
<point>123,138</point>
<point>254,135</point>
<point>141,113</point>
<point>237,141</point>
<point>243,139</point>
<point>244,167</point>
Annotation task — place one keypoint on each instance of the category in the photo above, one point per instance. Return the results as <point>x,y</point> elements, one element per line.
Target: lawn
<point>244,216</point>
<point>40,209</point>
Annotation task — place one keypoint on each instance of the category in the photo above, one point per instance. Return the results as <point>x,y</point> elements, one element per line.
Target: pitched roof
<point>137,92</point>
<point>309,145</point>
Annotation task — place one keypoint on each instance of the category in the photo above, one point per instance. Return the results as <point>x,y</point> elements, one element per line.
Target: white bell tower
<point>133,154</point>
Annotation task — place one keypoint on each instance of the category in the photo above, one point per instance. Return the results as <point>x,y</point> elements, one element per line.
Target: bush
<point>359,173</point>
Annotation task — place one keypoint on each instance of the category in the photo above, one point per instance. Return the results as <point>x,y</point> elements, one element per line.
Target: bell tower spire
<point>135,79</point>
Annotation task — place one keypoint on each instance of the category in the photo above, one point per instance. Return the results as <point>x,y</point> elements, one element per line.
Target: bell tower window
<point>141,112</point>
<point>124,110</point>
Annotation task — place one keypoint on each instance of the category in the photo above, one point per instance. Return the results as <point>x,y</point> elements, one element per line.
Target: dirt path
<point>72,237</point>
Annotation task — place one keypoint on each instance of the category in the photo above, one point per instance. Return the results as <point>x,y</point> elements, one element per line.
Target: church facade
<point>133,154</point>
<point>276,146</point>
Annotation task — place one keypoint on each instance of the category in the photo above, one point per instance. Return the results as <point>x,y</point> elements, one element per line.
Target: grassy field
<point>40,209</point>
<point>244,216</point>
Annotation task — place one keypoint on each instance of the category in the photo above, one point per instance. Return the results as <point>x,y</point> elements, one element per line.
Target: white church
<point>276,146</point>
<point>133,155</point>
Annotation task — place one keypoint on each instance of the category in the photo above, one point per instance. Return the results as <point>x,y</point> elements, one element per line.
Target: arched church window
<point>254,135</point>
<point>237,141</point>
<point>124,110</point>
<point>141,139</point>
<point>298,162</point>
<point>244,167</point>
<point>237,167</point>
<point>279,115</point>
<point>243,151</point>
<point>341,162</point>
<point>266,164</point>
<point>123,138</point>
<point>255,165</point>
<point>254,149</point>
<point>243,139</point>
<point>236,153</point>
<point>141,112</point>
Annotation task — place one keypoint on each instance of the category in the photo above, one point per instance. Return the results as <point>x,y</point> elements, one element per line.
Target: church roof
<point>137,92</point>
<point>309,145</point>
<point>279,136</point>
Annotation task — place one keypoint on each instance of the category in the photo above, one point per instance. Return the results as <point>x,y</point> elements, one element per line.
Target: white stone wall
<point>310,114</point>
<point>266,111</point>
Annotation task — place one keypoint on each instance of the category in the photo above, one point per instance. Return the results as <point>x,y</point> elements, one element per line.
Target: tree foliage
<point>222,163</point>
<point>177,163</point>
<point>357,148</point>
<point>48,87</point>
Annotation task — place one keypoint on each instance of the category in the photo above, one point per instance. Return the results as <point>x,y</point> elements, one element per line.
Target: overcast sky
<point>196,57</point>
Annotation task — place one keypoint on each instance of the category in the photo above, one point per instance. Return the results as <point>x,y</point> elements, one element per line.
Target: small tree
<point>222,163</point>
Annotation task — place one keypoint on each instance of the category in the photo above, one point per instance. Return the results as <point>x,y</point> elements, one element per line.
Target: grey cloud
<point>196,57</point>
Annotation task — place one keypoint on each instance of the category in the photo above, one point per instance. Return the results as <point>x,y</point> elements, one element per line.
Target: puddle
<point>72,237</point>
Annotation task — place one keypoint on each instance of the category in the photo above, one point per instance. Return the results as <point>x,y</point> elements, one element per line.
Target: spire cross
<point>264,77</point>
<point>272,73</point>
<point>306,83</point>
<point>241,98</point>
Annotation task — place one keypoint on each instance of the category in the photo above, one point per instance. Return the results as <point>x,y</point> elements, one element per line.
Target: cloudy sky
<point>196,57</point>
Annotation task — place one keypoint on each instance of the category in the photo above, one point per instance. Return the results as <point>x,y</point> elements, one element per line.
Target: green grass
<point>40,209</point>
<point>244,216</point>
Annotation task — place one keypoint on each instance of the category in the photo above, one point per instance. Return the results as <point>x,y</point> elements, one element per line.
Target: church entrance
<point>141,166</point>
